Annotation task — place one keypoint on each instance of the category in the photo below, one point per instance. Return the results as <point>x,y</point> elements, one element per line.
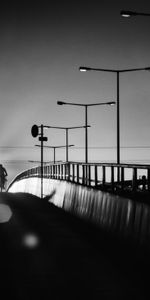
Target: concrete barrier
<point>120,216</point>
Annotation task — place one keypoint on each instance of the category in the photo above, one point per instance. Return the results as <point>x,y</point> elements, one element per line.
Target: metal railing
<point>109,176</point>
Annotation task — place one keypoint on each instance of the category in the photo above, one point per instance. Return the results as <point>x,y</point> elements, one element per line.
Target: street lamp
<point>54,148</point>
<point>129,13</point>
<point>86,119</point>
<point>84,69</point>
<point>66,130</point>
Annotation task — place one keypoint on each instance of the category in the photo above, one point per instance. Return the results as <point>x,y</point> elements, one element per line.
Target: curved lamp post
<point>86,119</point>
<point>84,69</point>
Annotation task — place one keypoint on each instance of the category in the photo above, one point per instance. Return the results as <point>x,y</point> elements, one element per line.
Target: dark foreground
<point>46,253</point>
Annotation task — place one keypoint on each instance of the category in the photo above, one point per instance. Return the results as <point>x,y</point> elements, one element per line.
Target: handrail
<point>132,177</point>
<point>125,165</point>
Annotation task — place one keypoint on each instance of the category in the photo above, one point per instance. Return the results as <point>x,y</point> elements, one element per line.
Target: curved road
<point>45,253</point>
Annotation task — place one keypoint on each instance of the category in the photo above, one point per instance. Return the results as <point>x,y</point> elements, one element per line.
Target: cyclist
<point>3,175</point>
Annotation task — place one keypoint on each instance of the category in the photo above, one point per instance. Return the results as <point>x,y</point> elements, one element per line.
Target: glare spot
<point>129,210</point>
<point>5,213</point>
<point>30,240</point>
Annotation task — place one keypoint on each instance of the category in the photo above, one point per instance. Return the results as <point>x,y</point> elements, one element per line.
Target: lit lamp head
<point>127,13</point>
<point>111,103</point>
<point>84,69</point>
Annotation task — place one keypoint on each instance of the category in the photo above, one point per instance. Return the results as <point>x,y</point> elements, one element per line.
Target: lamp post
<point>54,148</point>
<point>84,69</point>
<point>129,13</point>
<point>66,130</point>
<point>86,119</point>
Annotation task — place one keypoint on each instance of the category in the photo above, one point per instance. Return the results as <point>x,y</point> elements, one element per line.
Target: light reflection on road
<point>5,213</point>
<point>30,240</point>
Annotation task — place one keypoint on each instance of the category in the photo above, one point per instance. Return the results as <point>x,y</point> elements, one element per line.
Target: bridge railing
<point>109,176</point>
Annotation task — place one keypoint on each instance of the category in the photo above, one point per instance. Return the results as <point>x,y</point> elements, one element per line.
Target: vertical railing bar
<point>112,177</point>
<point>95,177</point>
<point>61,168</point>
<point>56,171</point>
<point>103,175</point>
<point>134,179</point>
<point>59,171</point>
<point>89,175</point>
<point>77,167</point>
<point>148,179</point>
<point>122,178</point>
<point>83,174</point>
<point>67,171</point>
<point>54,167</point>
<point>73,172</point>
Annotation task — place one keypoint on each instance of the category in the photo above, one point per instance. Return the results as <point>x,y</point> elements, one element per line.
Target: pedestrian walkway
<point>47,253</point>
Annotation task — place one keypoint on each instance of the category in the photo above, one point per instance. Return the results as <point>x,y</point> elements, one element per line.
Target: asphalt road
<point>45,253</point>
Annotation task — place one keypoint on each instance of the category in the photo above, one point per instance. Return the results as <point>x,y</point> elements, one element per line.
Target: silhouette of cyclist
<point>3,175</point>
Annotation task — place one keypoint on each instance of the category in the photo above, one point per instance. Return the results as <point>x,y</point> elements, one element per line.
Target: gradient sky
<point>42,46</point>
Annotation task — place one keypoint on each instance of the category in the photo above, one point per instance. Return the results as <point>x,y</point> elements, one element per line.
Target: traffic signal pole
<point>42,138</point>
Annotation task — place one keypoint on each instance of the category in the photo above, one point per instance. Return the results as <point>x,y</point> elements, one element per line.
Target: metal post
<point>118,121</point>
<point>86,135</point>
<point>86,144</point>
<point>41,161</point>
<point>54,156</point>
<point>66,144</point>
<point>118,128</point>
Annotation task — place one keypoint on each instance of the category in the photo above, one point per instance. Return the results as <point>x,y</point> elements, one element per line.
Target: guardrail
<point>109,176</point>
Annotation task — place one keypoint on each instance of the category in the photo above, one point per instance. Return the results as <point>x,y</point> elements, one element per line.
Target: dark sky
<point>42,46</point>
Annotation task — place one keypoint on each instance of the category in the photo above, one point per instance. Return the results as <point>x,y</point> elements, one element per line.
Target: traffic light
<point>34,130</point>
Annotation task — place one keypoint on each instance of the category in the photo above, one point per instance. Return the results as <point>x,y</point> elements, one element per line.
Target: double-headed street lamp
<point>66,130</point>
<point>54,148</point>
<point>86,119</point>
<point>38,161</point>
<point>129,13</point>
<point>84,69</point>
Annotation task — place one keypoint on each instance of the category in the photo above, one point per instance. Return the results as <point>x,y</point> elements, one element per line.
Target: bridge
<point>115,197</point>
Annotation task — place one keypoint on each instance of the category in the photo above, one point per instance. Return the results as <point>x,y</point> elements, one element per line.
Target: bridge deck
<point>48,254</point>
